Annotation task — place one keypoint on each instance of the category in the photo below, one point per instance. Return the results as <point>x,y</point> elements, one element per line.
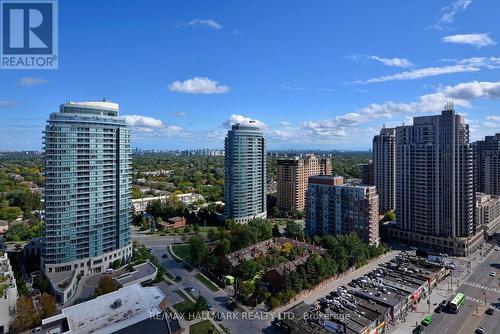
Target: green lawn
<point>184,307</point>
<point>181,251</point>
<point>206,282</point>
<point>202,328</point>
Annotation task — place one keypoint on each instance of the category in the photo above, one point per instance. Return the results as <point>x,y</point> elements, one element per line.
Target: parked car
<point>210,307</point>
<point>164,256</point>
<point>427,320</point>
<point>480,330</point>
<point>178,278</point>
<point>490,311</point>
<point>493,274</point>
<point>419,329</point>
<point>277,323</point>
<point>190,288</point>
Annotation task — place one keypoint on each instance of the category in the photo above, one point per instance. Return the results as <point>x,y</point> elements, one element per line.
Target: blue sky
<point>314,74</point>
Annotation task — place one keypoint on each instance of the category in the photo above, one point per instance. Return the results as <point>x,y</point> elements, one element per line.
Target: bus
<point>455,304</point>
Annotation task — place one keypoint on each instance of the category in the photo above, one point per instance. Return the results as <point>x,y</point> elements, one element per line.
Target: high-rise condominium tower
<point>293,174</point>
<point>337,208</point>
<point>245,173</point>
<point>87,192</point>
<point>384,168</point>
<point>487,165</point>
<point>434,175</point>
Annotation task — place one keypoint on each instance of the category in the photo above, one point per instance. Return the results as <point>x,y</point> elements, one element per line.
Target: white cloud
<point>285,123</point>
<point>449,12</point>
<point>144,122</point>
<point>422,73</point>
<point>181,114</point>
<point>30,81</point>
<point>282,134</point>
<point>146,127</point>
<point>234,119</point>
<point>198,85</point>
<point>493,118</point>
<point>461,95</point>
<point>476,40</point>
<point>206,22</point>
<point>396,62</point>
<point>393,62</point>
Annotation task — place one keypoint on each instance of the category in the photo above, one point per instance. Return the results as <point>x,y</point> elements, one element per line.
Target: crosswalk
<point>474,300</point>
<point>479,286</point>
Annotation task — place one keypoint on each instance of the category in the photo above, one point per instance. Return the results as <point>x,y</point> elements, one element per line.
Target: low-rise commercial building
<point>109,313</point>
<point>382,297</point>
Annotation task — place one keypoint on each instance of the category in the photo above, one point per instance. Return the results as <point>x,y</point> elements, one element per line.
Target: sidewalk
<point>443,290</point>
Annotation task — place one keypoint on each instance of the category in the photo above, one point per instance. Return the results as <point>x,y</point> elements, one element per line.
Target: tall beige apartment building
<point>293,175</point>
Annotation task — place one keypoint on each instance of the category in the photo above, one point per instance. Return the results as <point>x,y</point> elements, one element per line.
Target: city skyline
<point>306,74</point>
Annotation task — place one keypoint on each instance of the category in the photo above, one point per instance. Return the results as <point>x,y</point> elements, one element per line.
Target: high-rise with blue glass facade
<point>245,173</point>
<point>87,192</point>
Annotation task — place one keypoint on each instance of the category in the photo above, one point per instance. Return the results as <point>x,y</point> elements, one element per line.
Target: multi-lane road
<point>482,291</point>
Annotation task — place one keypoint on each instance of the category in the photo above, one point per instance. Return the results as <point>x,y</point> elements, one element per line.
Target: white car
<point>493,274</point>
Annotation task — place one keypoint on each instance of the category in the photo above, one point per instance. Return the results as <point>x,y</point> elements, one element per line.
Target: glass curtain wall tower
<point>87,192</point>
<point>245,173</point>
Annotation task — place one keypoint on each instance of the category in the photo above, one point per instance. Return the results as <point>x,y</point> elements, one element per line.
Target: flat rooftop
<point>108,313</point>
<point>140,271</point>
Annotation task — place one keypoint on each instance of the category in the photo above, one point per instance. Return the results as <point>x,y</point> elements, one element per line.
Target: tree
<point>10,213</point>
<point>48,305</point>
<point>212,234</point>
<point>26,317</point>
<point>197,249</point>
<point>294,230</point>
<point>200,304</point>
<point>263,228</point>
<point>247,289</point>
<point>223,247</point>
<point>116,264</point>
<point>106,285</point>
<point>276,231</point>
<point>248,269</point>
<point>389,216</point>
<point>42,283</point>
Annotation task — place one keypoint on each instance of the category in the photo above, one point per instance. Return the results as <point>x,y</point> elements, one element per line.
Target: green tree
<point>294,230</point>
<point>212,234</point>
<point>390,216</point>
<point>10,213</point>
<point>223,247</point>
<point>200,304</point>
<point>247,289</point>
<point>197,249</point>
